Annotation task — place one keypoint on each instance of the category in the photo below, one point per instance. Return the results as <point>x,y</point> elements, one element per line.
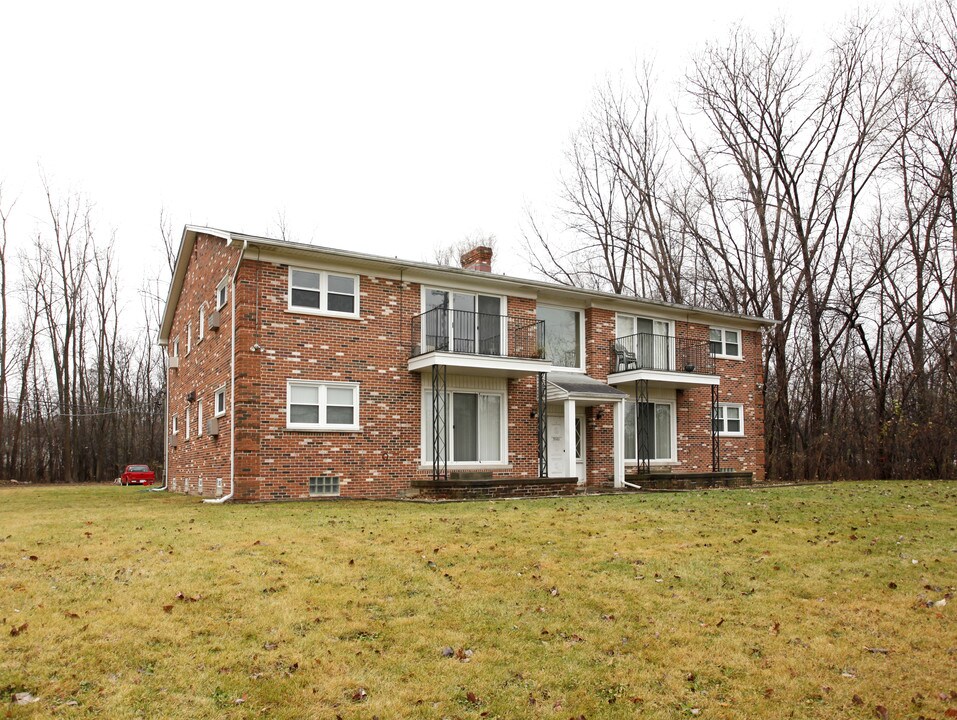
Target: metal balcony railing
<point>473,333</point>
<point>645,351</point>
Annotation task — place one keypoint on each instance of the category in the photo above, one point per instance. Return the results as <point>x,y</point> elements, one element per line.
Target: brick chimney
<point>478,258</point>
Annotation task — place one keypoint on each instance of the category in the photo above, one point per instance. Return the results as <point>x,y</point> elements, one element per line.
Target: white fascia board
<point>479,364</point>
<point>664,378</point>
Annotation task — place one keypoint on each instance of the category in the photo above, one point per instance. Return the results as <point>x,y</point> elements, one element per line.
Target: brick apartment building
<point>300,372</point>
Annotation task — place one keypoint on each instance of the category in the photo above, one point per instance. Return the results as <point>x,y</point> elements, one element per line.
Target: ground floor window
<point>322,406</point>
<point>728,419</point>
<point>649,430</point>
<point>475,426</point>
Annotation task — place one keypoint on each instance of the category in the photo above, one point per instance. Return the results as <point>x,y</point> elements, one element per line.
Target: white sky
<point>390,128</point>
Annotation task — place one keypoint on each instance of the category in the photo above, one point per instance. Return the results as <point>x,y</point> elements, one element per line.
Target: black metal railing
<point>473,333</point>
<point>645,351</point>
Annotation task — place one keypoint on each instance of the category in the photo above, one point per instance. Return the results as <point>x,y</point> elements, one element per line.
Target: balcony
<point>482,343</point>
<point>665,360</point>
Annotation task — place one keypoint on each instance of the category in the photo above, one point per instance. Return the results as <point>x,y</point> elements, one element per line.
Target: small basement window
<point>324,485</point>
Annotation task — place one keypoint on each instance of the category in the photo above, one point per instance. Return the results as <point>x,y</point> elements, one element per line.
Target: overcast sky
<point>390,128</point>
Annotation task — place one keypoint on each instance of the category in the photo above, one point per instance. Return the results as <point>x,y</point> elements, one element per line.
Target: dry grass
<point>738,604</point>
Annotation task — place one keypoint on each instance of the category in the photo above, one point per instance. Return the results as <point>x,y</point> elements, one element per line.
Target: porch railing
<point>645,351</point>
<point>442,329</point>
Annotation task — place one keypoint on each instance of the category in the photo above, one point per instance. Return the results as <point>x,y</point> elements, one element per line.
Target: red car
<point>137,475</point>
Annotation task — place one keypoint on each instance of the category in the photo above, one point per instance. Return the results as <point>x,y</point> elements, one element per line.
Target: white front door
<point>557,446</point>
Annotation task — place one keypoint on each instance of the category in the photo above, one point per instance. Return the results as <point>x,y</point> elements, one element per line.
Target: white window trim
<point>189,336</point>
<point>583,351</point>
<point>323,427</point>
<point>201,323</point>
<point>722,428</point>
<point>175,424</point>
<point>724,343</point>
<point>216,411</point>
<point>199,418</point>
<point>323,294</point>
<point>222,298</point>
<point>673,460</point>
<point>176,347</point>
<point>425,437</point>
<point>187,423</point>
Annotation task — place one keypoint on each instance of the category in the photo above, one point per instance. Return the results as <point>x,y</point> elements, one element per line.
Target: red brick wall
<point>600,331</point>
<point>203,370</point>
<point>741,382</point>
<point>274,345</point>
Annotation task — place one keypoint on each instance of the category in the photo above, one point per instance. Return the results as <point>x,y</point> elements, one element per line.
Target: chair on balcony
<point>625,359</point>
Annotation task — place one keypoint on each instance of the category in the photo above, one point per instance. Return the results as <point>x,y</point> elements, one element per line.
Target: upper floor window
<point>201,322</point>
<point>176,347</point>
<point>322,406</point>
<point>725,343</point>
<point>222,293</point>
<point>219,401</point>
<point>729,419</point>
<point>643,342</point>
<point>563,336</point>
<point>463,322</point>
<point>323,293</point>
<point>175,425</point>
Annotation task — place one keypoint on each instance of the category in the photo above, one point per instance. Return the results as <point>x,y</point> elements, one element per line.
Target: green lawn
<point>799,602</point>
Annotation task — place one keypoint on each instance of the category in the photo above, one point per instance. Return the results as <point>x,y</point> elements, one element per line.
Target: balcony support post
<point>541,415</point>
<point>641,429</point>
<point>440,435</point>
<point>715,438</point>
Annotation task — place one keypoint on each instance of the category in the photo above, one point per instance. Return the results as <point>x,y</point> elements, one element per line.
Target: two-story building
<point>298,371</point>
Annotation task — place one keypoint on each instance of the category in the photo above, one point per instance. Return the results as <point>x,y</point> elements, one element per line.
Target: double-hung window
<point>201,320</point>
<point>199,418</point>
<point>475,427</point>
<point>322,406</point>
<point>729,419</point>
<point>649,431</point>
<point>323,293</point>
<point>175,425</point>
<point>189,337</point>
<point>187,423</point>
<point>725,343</point>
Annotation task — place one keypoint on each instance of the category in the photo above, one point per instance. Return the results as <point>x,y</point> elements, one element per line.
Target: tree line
<point>814,188</point>
<point>83,394</point>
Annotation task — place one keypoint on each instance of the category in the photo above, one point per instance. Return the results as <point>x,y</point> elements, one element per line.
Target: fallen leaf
<point>553,592</point>
<point>881,712</point>
<point>472,697</point>
<point>14,631</point>
<point>34,558</point>
<point>359,695</point>
<point>892,585</point>
<point>951,712</point>
<point>857,700</point>
<point>71,615</point>
<point>167,608</point>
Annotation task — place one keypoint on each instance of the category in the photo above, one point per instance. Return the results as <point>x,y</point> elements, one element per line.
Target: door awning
<point>581,388</point>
